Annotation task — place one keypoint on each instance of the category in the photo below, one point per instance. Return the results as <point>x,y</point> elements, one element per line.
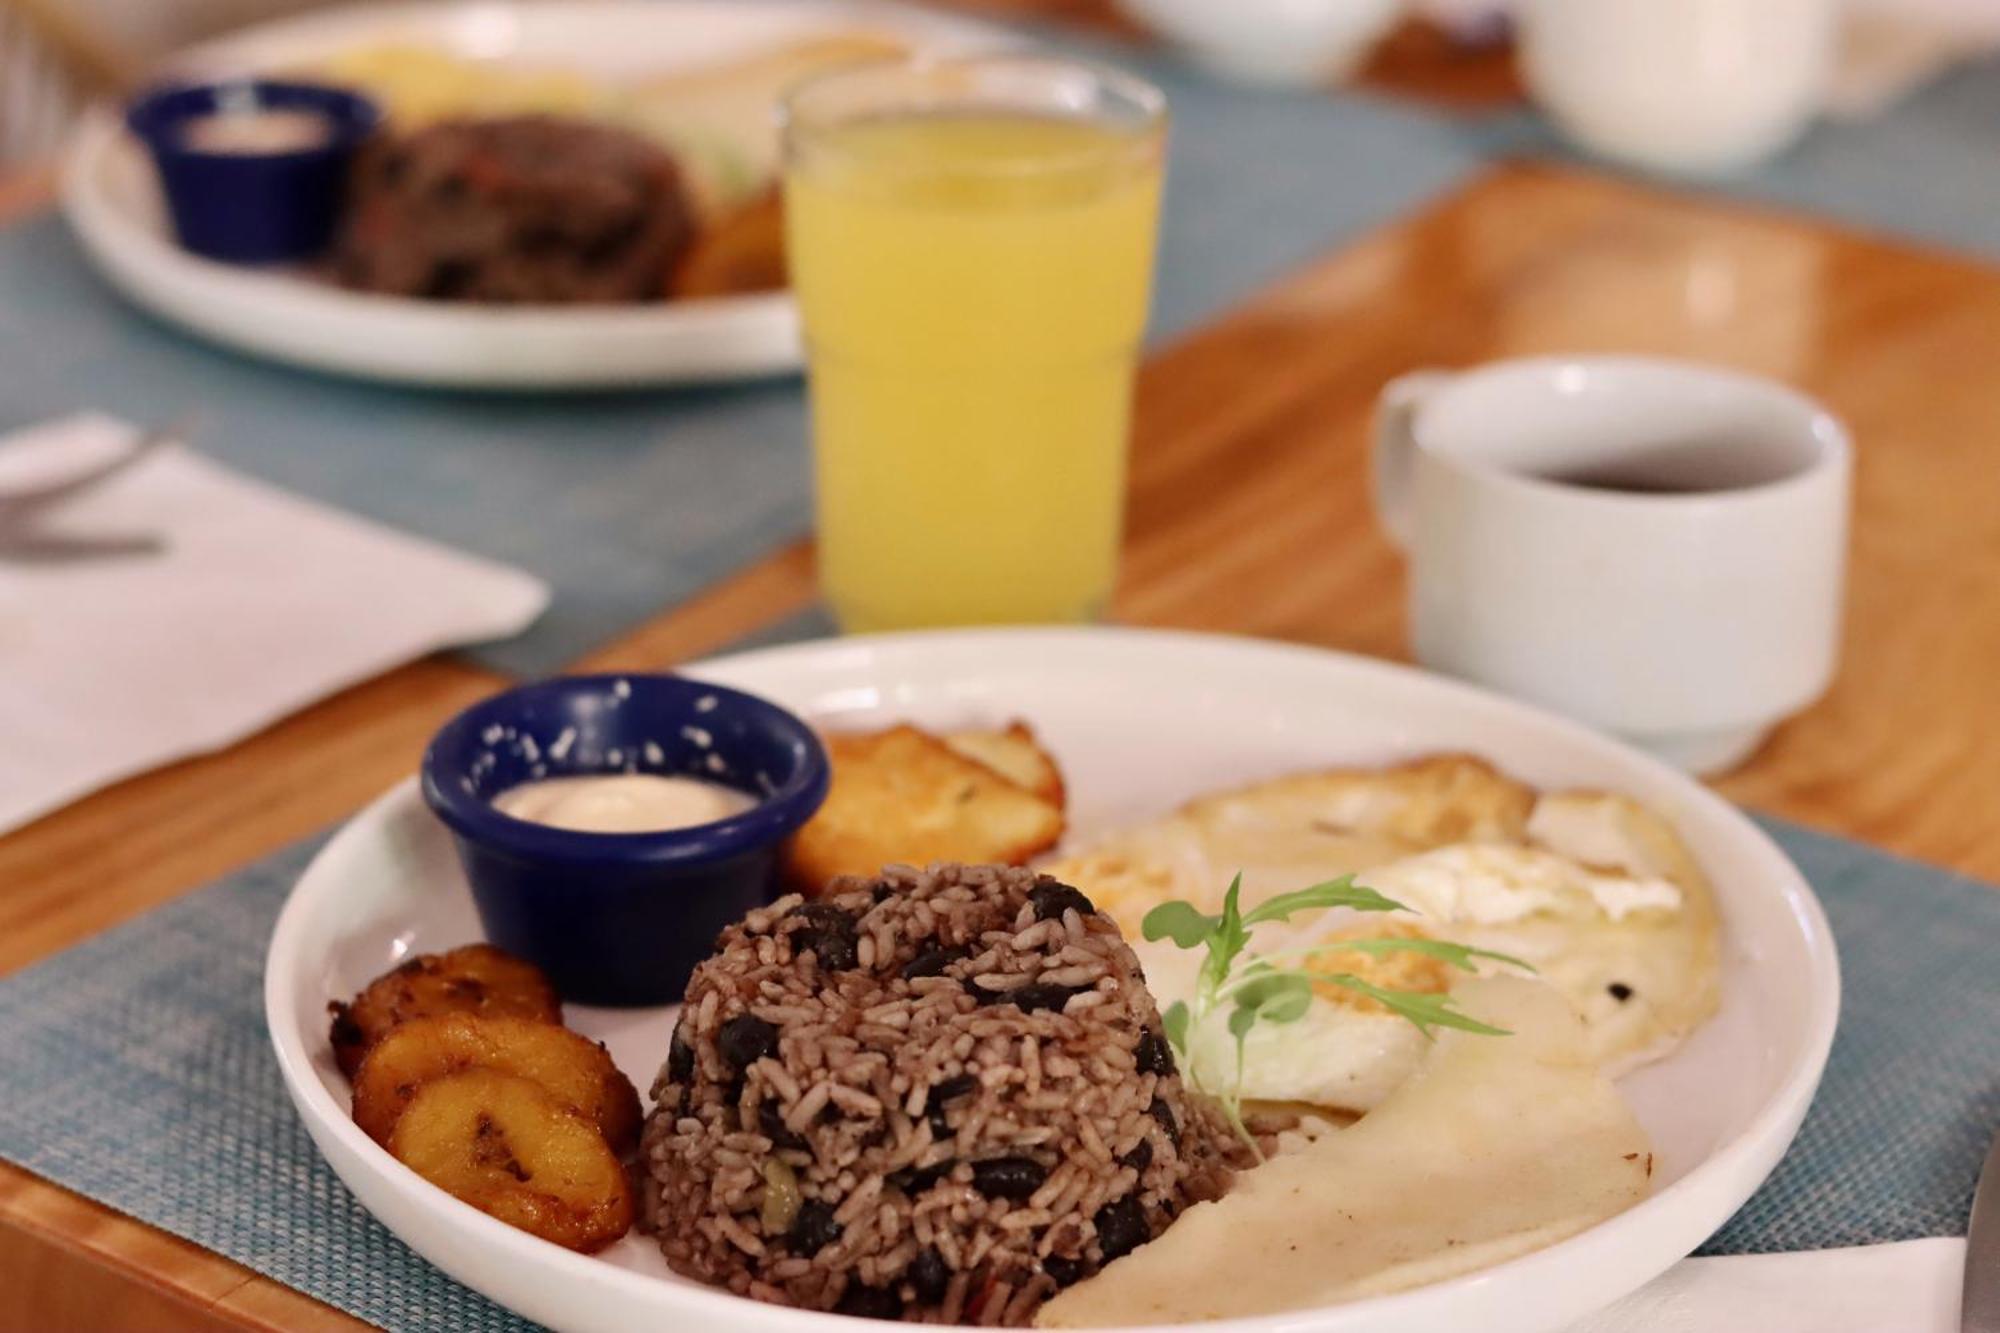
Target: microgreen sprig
<point>1261,991</point>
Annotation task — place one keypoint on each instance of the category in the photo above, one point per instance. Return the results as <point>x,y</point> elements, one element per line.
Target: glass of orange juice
<point>971,242</point>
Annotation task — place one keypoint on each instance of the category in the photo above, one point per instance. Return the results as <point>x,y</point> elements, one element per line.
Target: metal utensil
<point>1981,1311</point>
<point>19,506</point>
<point>25,541</point>
<point>49,548</point>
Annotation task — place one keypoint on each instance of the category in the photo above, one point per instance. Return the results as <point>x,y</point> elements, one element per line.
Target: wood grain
<point>1249,507</point>
<point>1249,514</point>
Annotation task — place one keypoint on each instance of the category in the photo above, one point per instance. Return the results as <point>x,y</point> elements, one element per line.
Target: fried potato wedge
<point>578,1072</point>
<point>508,1147</point>
<point>905,795</point>
<point>471,979</point>
<point>1015,754</point>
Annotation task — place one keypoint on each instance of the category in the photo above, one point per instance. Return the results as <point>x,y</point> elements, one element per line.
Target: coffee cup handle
<point>1396,448</point>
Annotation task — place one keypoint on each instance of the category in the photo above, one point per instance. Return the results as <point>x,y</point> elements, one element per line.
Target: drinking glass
<point>971,242</point>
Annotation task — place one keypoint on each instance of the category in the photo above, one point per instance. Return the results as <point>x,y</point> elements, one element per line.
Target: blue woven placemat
<point>1925,171</point>
<point>629,503</point>
<point>136,1069</point>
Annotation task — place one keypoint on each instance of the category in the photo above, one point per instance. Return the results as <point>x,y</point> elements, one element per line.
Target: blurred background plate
<point>113,203</point>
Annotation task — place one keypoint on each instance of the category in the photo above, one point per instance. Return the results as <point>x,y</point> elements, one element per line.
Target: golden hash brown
<point>578,1072</point>
<point>904,795</point>
<point>505,1145</point>
<point>471,979</point>
<point>1015,754</point>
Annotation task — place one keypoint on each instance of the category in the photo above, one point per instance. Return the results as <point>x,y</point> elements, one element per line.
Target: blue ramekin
<point>621,918</point>
<point>252,208</point>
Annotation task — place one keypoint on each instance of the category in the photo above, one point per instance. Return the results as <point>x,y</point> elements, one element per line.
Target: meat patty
<point>516,209</point>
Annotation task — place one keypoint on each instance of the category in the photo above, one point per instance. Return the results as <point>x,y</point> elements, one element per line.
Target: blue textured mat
<point>136,1069</point>
<point>630,503</point>
<point>1924,172</point>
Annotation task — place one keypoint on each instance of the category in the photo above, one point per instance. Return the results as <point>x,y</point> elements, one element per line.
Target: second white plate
<point>112,200</point>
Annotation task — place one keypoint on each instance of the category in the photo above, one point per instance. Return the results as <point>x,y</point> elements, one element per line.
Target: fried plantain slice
<point>742,251</point>
<point>505,1145</point>
<point>577,1071</point>
<point>471,979</point>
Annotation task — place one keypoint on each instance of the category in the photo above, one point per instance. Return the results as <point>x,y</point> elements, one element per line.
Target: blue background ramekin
<point>621,918</point>
<point>252,208</point>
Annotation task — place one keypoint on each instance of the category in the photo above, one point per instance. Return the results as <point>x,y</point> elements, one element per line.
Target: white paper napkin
<point>1909,1287</point>
<point>262,603</point>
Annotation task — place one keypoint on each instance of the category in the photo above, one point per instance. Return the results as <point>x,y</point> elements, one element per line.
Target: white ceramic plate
<point>113,202</point>
<point>1140,721</point>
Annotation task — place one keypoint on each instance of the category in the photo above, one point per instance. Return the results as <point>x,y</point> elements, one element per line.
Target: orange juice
<point>974,286</point>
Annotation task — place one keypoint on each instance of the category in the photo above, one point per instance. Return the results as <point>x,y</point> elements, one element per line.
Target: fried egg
<point>1592,890</point>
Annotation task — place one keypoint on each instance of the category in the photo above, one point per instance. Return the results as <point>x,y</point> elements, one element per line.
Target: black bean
<point>1620,991</point>
<point>1140,1157</point>
<point>1163,1113</point>
<point>932,962</point>
<point>772,1126</point>
<point>1008,1177</point>
<point>1154,1054</point>
<point>882,893</point>
<point>1121,1228</point>
<point>869,1302</point>
<point>733,1094</point>
<point>828,933</point>
<point>1064,1271</point>
<point>949,1090</point>
<point>813,1229</point>
<point>915,1180</point>
<point>746,1039</point>
<point>1027,998</point>
<point>680,1058</point>
<point>929,1275</point>
<point>1052,897</point>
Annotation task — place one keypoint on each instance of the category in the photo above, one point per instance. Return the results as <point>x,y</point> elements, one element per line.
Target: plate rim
<point>1749,1155</point>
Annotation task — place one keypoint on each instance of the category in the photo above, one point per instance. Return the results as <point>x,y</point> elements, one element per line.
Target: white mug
<point>1696,86</point>
<point>1653,547</point>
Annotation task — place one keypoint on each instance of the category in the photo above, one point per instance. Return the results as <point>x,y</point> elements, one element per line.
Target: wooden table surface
<point>1249,514</point>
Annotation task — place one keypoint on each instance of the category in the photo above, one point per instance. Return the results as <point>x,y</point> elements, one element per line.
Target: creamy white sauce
<point>622,802</point>
<point>254,133</point>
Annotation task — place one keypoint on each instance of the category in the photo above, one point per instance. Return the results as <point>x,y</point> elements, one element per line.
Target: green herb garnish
<point>1260,991</point>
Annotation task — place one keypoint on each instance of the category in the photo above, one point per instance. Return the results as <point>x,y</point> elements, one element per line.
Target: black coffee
<point>1629,482</point>
<point>1679,467</point>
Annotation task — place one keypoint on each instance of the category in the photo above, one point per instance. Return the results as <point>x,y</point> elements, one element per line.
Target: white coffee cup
<point>1695,86</point>
<point>1653,547</point>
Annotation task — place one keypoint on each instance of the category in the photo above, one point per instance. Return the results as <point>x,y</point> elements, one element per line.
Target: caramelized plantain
<point>577,1071</point>
<point>505,1145</point>
<point>472,979</point>
<point>743,251</point>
